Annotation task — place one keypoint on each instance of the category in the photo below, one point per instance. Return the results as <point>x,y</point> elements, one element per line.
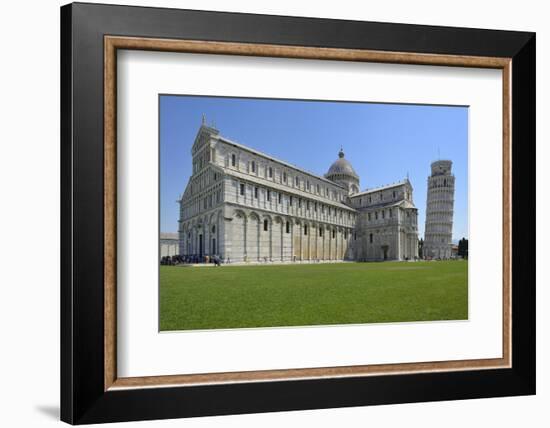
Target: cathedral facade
<point>246,206</point>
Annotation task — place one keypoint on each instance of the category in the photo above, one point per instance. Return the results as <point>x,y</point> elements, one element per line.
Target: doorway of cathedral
<point>200,245</point>
<point>385,251</point>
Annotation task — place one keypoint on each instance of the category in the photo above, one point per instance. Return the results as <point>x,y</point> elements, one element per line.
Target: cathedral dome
<point>341,166</point>
<point>342,173</point>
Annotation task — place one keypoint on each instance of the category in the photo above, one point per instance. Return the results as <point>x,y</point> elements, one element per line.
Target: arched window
<point>214,229</point>
<point>233,160</point>
<point>265,225</point>
<point>445,182</point>
<point>305,229</point>
<point>370,238</point>
<point>253,166</point>
<point>333,233</point>
<point>321,231</point>
<point>270,172</point>
<point>287,227</point>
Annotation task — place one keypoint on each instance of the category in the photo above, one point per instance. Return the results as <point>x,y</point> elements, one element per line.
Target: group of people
<point>190,259</point>
<point>213,259</point>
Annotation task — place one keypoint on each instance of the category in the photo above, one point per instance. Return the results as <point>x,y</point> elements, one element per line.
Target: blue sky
<point>383,142</point>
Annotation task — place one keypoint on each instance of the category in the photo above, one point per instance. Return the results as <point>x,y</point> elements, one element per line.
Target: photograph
<point>288,212</point>
<point>265,212</point>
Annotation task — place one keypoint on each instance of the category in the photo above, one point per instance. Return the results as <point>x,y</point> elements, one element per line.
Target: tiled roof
<point>274,159</point>
<point>169,235</point>
<point>285,189</point>
<point>401,203</point>
<point>378,189</point>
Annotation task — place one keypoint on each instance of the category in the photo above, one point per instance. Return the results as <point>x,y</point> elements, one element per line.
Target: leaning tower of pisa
<point>438,232</point>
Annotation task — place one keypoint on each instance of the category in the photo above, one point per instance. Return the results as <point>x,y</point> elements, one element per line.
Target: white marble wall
<point>169,248</point>
<point>388,238</point>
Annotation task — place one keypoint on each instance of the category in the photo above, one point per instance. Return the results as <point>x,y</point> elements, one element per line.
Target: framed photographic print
<point>265,213</point>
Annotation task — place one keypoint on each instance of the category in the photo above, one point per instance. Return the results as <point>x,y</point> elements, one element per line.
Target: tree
<point>463,248</point>
<point>420,247</point>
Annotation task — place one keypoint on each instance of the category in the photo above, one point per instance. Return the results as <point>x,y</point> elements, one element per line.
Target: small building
<point>169,244</point>
<point>454,251</point>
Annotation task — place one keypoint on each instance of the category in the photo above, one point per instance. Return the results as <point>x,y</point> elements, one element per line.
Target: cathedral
<point>246,206</point>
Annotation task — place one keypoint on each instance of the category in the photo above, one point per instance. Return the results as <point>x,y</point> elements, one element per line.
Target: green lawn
<point>292,295</point>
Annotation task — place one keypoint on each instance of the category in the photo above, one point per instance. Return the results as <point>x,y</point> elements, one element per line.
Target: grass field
<point>294,295</point>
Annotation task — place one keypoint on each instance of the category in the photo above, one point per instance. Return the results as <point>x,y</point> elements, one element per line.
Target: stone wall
<point>259,236</point>
<point>169,248</point>
<point>388,238</point>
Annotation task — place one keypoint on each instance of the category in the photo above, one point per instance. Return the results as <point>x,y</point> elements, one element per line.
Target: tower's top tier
<point>442,167</point>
